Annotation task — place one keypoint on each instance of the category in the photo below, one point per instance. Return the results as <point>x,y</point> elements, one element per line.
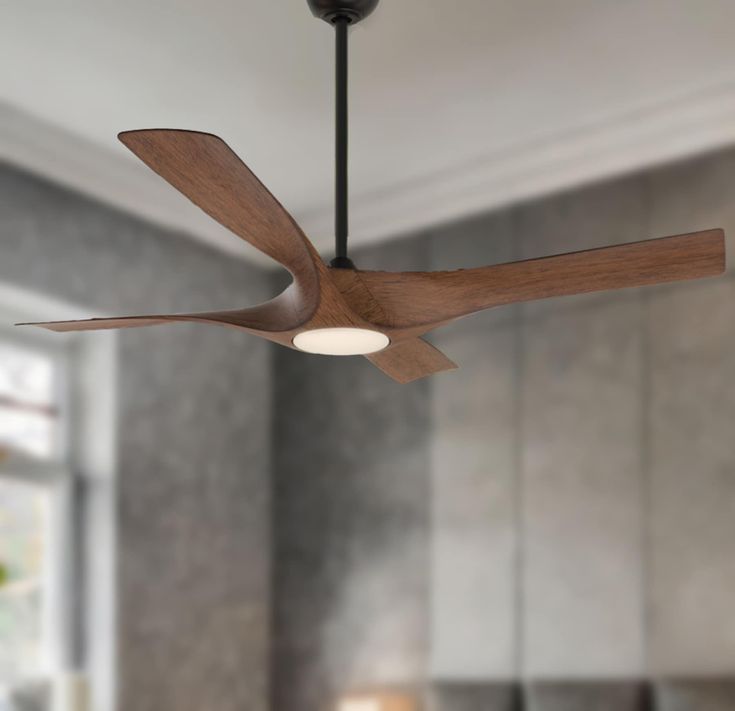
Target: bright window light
<point>27,401</point>
<point>23,552</point>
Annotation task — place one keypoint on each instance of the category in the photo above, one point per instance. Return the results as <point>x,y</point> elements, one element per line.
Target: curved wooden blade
<point>209,173</point>
<point>204,169</point>
<point>101,324</point>
<point>410,360</point>
<point>424,300</point>
<point>275,317</point>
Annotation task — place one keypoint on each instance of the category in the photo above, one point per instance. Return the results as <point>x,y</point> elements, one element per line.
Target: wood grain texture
<point>410,360</point>
<point>403,305</point>
<point>415,300</point>
<point>269,318</point>
<point>202,167</point>
<point>210,174</point>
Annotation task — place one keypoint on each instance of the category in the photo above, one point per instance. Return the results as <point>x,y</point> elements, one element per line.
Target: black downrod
<point>341,220</point>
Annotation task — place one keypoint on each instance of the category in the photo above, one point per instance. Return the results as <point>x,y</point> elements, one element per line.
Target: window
<point>31,477</point>
<point>23,543</point>
<point>56,495</point>
<point>28,406</point>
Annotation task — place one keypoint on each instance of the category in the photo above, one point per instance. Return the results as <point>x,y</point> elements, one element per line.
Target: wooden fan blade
<point>419,301</point>
<point>270,319</point>
<point>410,360</point>
<point>209,173</point>
<point>99,324</point>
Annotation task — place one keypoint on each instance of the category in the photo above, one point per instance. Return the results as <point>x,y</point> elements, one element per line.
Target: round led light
<point>341,341</point>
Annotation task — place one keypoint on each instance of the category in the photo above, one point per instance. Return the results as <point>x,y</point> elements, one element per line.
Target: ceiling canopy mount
<point>352,10</point>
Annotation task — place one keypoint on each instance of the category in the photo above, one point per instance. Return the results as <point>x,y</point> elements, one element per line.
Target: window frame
<point>81,481</point>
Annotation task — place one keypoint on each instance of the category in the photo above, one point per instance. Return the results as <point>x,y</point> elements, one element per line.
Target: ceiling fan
<point>341,310</point>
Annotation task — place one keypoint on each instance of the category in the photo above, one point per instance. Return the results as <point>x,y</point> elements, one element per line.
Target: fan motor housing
<point>353,10</point>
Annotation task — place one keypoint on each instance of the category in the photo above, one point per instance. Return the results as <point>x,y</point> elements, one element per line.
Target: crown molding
<point>690,124</point>
<point>124,183</point>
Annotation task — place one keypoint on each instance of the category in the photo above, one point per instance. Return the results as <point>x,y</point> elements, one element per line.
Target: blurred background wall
<point>193,452</point>
<point>560,508</point>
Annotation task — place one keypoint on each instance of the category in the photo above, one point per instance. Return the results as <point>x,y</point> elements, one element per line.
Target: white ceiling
<point>455,106</point>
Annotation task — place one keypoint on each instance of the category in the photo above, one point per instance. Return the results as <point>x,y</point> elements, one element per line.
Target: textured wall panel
<point>352,488</point>
<point>193,443</point>
<point>474,513</point>
<point>598,216</point>
<point>474,543</point>
<point>695,195</point>
<point>581,418</point>
<point>692,479</point>
<point>606,213</point>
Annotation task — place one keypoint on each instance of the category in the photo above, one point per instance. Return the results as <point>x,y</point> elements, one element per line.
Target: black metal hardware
<point>353,10</point>
<point>341,14</point>
<point>341,25</point>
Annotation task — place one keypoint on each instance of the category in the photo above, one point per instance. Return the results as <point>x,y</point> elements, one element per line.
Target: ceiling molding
<point>124,183</point>
<point>690,124</point>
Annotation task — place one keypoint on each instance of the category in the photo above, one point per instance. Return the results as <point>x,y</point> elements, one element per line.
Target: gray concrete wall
<point>623,485</point>
<point>574,481</point>
<point>351,525</point>
<point>194,452</point>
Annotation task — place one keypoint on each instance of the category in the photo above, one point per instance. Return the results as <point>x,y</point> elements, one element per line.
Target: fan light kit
<point>341,341</point>
<point>337,309</point>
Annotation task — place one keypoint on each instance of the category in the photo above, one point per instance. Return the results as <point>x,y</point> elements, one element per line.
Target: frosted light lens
<point>341,341</point>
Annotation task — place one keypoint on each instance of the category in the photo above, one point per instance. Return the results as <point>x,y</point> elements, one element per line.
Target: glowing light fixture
<point>341,341</point>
